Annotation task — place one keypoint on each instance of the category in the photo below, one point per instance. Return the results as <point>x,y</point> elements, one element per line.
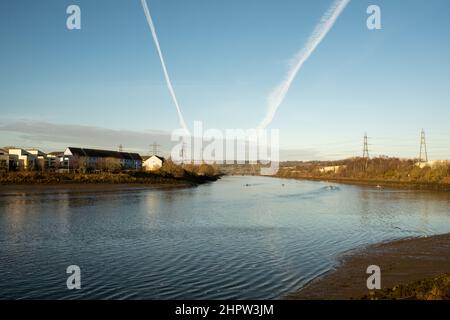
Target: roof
<point>22,151</point>
<point>56,153</point>
<point>145,158</point>
<point>36,152</point>
<point>83,152</point>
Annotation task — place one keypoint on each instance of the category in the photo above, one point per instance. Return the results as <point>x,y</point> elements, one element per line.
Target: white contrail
<point>163,64</point>
<point>276,97</point>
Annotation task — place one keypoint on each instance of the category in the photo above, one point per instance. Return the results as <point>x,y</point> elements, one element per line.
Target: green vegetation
<point>170,173</point>
<point>437,288</point>
<point>382,171</point>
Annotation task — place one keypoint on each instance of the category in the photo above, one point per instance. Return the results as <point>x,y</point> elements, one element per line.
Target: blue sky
<point>224,57</point>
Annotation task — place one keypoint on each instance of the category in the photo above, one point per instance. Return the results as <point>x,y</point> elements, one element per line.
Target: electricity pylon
<point>365,148</point>
<point>423,155</point>
<point>155,147</point>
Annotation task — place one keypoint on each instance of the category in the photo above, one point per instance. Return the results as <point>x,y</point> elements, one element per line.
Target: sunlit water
<point>221,240</point>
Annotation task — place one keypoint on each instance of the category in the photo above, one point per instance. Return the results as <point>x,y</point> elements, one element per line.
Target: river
<point>237,238</point>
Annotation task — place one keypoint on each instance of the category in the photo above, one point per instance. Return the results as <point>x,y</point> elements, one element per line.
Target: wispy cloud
<point>277,96</point>
<point>47,135</point>
<point>163,64</point>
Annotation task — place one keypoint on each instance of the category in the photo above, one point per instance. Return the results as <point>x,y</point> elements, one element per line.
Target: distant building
<point>334,169</point>
<point>4,160</point>
<point>104,160</point>
<point>153,163</point>
<point>54,160</point>
<point>25,160</point>
<point>433,163</point>
<point>41,158</point>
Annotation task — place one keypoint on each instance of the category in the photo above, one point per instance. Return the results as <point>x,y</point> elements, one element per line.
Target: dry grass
<point>437,288</point>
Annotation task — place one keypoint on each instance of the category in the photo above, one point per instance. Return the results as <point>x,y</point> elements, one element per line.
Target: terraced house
<point>40,158</point>
<point>4,160</point>
<point>84,159</point>
<point>25,159</point>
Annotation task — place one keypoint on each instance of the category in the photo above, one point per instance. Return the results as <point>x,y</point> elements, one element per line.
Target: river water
<point>237,238</point>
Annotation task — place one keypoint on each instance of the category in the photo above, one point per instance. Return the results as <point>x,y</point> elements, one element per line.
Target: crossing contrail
<point>163,64</point>
<point>277,96</point>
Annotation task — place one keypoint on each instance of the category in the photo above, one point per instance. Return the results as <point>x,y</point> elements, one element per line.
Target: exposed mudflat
<point>402,262</point>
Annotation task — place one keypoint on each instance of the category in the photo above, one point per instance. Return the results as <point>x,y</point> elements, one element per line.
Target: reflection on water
<point>241,237</point>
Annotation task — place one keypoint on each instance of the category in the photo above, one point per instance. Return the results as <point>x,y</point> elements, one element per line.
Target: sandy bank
<point>384,184</point>
<point>401,262</point>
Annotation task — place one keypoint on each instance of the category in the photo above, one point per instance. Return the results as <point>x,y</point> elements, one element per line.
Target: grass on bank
<point>170,173</point>
<point>391,171</point>
<point>436,288</point>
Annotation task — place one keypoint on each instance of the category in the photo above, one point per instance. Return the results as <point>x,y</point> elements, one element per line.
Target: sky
<point>103,85</point>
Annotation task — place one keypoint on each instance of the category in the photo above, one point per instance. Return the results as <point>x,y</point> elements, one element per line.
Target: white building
<point>153,163</point>
<point>41,158</point>
<point>54,160</point>
<point>334,169</point>
<point>4,160</point>
<point>433,163</point>
<point>26,160</point>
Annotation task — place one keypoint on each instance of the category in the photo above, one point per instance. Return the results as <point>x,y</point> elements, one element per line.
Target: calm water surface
<point>220,240</point>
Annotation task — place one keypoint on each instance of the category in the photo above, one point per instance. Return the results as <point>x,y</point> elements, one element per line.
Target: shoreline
<point>405,185</point>
<point>35,182</point>
<point>9,189</point>
<point>402,262</point>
